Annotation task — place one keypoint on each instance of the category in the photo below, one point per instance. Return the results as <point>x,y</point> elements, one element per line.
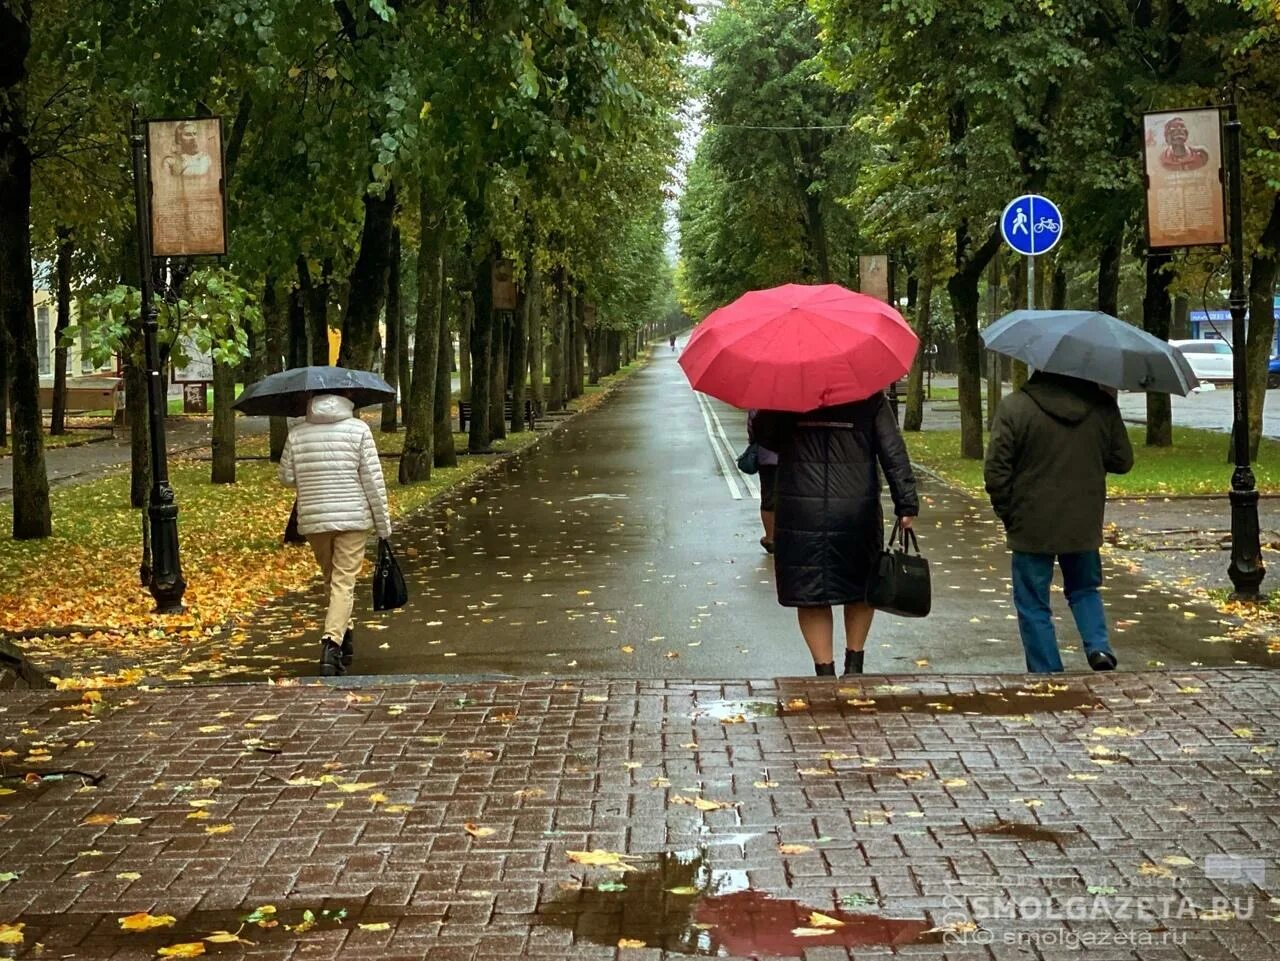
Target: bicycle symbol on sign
<point>1046,223</point>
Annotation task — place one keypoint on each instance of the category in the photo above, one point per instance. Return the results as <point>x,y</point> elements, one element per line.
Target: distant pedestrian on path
<point>332,460</point>
<point>673,341</point>
<point>768,463</point>
<point>1052,445</point>
<point>829,528</point>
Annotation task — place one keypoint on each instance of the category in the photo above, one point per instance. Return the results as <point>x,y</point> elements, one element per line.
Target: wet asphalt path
<point>627,545</point>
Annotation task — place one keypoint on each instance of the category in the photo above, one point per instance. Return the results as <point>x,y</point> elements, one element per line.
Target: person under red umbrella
<point>816,359</point>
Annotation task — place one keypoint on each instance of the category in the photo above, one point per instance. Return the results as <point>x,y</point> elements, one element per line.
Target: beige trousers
<point>340,555</point>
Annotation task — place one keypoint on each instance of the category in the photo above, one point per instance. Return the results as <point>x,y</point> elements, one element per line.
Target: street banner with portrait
<point>187,203</point>
<point>1186,205</point>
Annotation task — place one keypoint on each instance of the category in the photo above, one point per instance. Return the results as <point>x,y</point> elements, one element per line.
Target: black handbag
<point>389,590</point>
<point>749,460</point>
<point>900,584</point>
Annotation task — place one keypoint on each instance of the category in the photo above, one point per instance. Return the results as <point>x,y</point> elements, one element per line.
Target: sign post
<point>1031,225</point>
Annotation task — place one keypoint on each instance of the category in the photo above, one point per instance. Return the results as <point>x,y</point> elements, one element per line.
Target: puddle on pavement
<point>1027,832</point>
<point>684,906</point>
<point>737,712</point>
<point>1037,698</point>
<point>1040,698</point>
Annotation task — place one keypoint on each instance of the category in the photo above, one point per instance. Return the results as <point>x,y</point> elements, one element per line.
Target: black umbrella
<point>1093,346</point>
<point>286,394</point>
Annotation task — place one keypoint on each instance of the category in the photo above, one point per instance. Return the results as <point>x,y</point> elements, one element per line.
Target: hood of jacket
<point>1066,399</point>
<point>329,409</point>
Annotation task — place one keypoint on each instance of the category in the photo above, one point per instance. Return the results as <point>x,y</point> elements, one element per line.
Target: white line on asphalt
<point>748,480</point>
<point>726,471</point>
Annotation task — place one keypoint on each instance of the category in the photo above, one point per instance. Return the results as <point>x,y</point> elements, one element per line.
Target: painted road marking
<point>727,470</point>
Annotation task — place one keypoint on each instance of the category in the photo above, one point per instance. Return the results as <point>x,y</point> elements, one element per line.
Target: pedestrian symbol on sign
<point>1020,222</point>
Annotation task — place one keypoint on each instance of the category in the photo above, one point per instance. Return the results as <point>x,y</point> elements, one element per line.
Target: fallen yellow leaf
<point>476,831</point>
<point>11,933</point>
<point>794,848</point>
<point>147,922</point>
<point>630,943</point>
<point>376,926</point>
<point>819,920</point>
<point>187,949</point>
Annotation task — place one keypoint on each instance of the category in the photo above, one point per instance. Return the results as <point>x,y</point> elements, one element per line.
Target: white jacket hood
<point>329,409</point>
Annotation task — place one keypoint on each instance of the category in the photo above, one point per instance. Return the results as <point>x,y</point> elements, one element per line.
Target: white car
<point>1210,360</point>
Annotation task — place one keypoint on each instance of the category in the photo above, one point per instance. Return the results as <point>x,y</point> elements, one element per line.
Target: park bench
<point>464,414</point>
<point>86,393</point>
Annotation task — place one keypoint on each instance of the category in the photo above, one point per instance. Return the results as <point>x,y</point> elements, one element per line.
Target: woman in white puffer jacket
<point>333,462</point>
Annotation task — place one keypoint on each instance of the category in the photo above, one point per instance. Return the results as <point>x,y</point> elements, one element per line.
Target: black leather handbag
<point>389,590</point>
<point>900,584</point>
<point>749,459</point>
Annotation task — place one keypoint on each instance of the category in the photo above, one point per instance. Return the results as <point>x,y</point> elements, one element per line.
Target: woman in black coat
<point>829,528</point>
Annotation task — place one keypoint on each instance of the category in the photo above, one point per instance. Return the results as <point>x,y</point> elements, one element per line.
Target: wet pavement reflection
<point>685,907</point>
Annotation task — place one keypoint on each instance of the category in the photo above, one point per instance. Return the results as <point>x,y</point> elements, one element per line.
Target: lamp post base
<point>166,583</point>
<point>1246,569</point>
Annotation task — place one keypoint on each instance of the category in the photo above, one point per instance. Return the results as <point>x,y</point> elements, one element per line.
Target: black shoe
<point>853,662</point>
<point>825,670</point>
<point>767,545</point>
<point>1102,660</point>
<point>331,659</point>
<point>348,648</point>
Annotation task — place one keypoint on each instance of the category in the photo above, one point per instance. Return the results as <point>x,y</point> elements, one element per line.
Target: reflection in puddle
<point>737,712</point>
<point>1036,698</point>
<point>685,907</point>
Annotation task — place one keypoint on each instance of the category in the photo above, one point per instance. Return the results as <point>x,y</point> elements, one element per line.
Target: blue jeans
<point>1081,576</point>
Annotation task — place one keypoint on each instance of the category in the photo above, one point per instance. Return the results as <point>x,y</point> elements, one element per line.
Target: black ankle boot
<point>331,659</point>
<point>825,670</point>
<point>853,662</point>
<point>348,647</point>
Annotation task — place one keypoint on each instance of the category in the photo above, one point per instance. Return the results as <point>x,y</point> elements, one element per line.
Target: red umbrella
<point>798,347</point>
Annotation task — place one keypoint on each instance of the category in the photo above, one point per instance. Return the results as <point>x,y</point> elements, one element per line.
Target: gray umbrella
<point>1093,346</point>
<point>286,394</point>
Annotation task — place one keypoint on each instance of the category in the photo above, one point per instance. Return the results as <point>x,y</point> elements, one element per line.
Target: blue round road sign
<point>1031,225</point>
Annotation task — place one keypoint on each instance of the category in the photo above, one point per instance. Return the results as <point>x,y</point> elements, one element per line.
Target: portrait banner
<point>187,203</point>
<point>873,276</point>
<point>1186,198</point>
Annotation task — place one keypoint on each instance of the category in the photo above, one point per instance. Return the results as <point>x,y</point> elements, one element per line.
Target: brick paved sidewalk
<point>428,819</point>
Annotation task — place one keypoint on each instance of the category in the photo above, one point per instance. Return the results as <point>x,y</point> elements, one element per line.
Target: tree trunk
<point>276,333</point>
<point>444,452</point>
<point>1157,310</point>
<point>224,424</point>
<point>1109,275</point>
<point>962,289</point>
<point>913,418</point>
<point>58,417</point>
<point>578,343</point>
<point>4,388</point>
<point>420,390</point>
<point>519,360</point>
<point>297,354</point>
<point>466,314</point>
<point>367,283</point>
<point>31,514</point>
<point>404,376</point>
<point>315,300</point>
<point>498,375</point>
<point>1262,321</point>
<point>395,336</point>
<point>1058,288</point>
<point>482,324</point>
<point>817,237</point>
<point>537,362</point>
<point>559,298</point>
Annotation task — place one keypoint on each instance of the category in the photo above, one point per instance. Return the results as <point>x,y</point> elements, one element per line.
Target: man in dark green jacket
<point>1052,445</point>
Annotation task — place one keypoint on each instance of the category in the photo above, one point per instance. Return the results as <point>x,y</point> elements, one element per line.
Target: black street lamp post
<point>166,583</point>
<point>1246,569</point>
